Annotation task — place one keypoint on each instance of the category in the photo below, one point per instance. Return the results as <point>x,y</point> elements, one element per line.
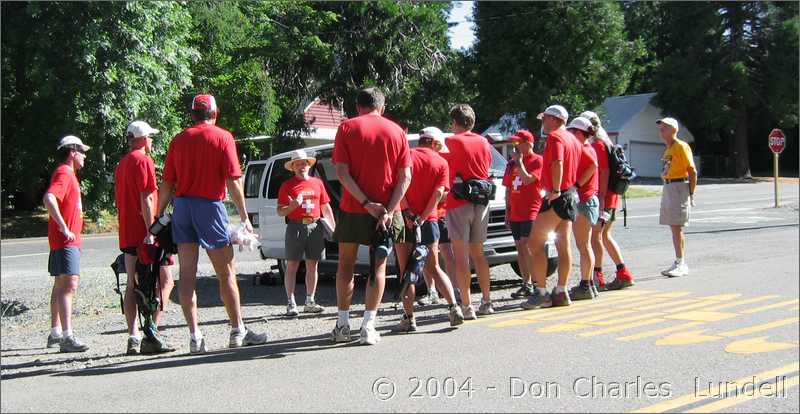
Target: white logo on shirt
<point>517,183</point>
<point>307,205</point>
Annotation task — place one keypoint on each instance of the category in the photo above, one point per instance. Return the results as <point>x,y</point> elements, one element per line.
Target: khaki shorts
<point>675,204</point>
<point>360,228</point>
<point>468,223</point>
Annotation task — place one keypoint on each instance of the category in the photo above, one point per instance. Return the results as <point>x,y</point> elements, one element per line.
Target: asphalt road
<point>666,345</point>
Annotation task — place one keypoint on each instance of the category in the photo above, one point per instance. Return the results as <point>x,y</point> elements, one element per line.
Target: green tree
<point>530,55</point>
<point>730,67</point>
<point>87,69</point>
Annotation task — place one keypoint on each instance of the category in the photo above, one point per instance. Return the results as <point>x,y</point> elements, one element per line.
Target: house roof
<point>507,125</point>
<point>321,115</point>
<point>618,110</point>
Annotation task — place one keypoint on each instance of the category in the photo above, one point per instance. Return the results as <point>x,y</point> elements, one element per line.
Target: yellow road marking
<point>672,295</point>
<point>702,316</point>
<point>759,328</point>
<point>575,307</point>
<point>622,327</point>
<point>628,319</point>
<point>604,316</point>
<point>695,397</point>
<point>741,302</point>
<point>757,345</point>
<point>667,304</point>
<point>686,338</point>
<point>705,305</point>
<point>697,337</point>
<point>657,332</point>
<point>742,398</point>
<point>563,327</point>
<point>723,297</point>
<point>773,306</point>
<point>644,301</point>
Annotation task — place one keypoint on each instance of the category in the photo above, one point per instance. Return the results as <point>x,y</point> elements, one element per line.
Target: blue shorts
<point>66,261</point>
<point>430,232</point>
<point>199,220</point>
<point>590,209</point>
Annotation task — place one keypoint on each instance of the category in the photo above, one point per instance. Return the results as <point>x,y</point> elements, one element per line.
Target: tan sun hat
<point>296,156</point>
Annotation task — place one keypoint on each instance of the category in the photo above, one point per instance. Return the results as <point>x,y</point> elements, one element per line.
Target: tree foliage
<point>530,55</point>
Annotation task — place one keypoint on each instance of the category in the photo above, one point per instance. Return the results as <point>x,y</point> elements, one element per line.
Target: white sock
<point>136,337</point>
<point>291,299</point>
<point>369,318</point>
<point>679,260</point>
<point>240,329</point>
<point>309,299</point>
<point>542,291</point>
<point>197,335</point>
<point>560,289</point>
<point>55,331</point>
<point>344,318</point>
<point>67,333</point>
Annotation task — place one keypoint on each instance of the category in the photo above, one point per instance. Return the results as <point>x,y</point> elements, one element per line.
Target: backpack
<point>620,170</point>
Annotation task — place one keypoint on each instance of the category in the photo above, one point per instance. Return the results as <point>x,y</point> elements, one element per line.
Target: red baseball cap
<point>204,102</point>
<point>523,135</point>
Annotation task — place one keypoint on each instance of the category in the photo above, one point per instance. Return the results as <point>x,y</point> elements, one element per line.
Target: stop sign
<point>777,141</point>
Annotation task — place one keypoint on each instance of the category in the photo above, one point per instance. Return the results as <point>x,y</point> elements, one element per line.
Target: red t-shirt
<point>429,171</point>
<point>600,149</point>
<point>524,200</point>
<point>64,186</point>
<point>375,149</point>
<point>588,158</point>
<point>134,175</point>
<point>470,157</point>
<point>314,197</point>
<point>199,161</point>
<point>562,146</point>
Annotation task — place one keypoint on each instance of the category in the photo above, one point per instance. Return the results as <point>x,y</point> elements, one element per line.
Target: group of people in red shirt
<point>393,197</point>
<point>564,191</point>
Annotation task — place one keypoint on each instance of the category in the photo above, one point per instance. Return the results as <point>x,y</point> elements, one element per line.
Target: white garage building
<point>630,121</point>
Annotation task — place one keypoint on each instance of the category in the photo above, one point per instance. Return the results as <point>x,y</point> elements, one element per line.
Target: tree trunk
<point>740,153</point>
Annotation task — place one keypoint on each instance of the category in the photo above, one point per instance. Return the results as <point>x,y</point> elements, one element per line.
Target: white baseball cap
<point>140,129</point>
<point>435,134</point>
<point>296,156</point>
<point>580,123</point>
<point>590,115</point>
<point>669,121</point>
<point>72,140</point>
<point>557,111</point>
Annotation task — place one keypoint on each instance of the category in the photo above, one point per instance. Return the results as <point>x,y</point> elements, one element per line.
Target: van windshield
<point>498,167</point>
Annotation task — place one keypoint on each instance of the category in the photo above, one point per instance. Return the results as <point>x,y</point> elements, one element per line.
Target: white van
<point>263,178</point>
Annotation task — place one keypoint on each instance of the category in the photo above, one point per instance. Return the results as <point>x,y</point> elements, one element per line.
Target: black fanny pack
<point>475,191</point>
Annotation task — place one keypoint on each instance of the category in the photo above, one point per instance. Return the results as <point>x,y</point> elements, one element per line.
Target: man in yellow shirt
<point>680,179</point>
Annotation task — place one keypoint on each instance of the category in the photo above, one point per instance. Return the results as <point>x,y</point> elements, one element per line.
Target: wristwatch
<point>556,191</point>
<point>366,201</point>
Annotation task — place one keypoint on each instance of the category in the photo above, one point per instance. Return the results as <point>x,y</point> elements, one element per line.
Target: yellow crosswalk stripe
<point>701,316</point>
<point>648,334</point>
<point>695,397</point>
<point>741,302</point>
<point>563,327</point>
<point>628,319</point>
<point>667,304</point>
<point>622,327</point>
<point>740,398</point>
<point>759,328</point>
<point>704,305</point>
<point>725,296</point>
<point>621,296</point>
<point>773,306</point>
<point>635,304</point>
<point>673,295</point>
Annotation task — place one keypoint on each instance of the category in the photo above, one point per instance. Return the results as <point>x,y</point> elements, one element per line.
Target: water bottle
<point>159,224</point>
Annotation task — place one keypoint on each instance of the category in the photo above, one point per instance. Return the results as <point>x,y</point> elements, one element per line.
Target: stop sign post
<point>777,142</point>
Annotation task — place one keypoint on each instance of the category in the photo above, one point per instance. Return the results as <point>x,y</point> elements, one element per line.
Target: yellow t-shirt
<point>677,161</point>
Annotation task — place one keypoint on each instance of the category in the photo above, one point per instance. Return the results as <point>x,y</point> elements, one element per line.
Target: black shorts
<point>565,206</point>
<point>444,236</point>
<point>168,260</point>
<point>521,229</point>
